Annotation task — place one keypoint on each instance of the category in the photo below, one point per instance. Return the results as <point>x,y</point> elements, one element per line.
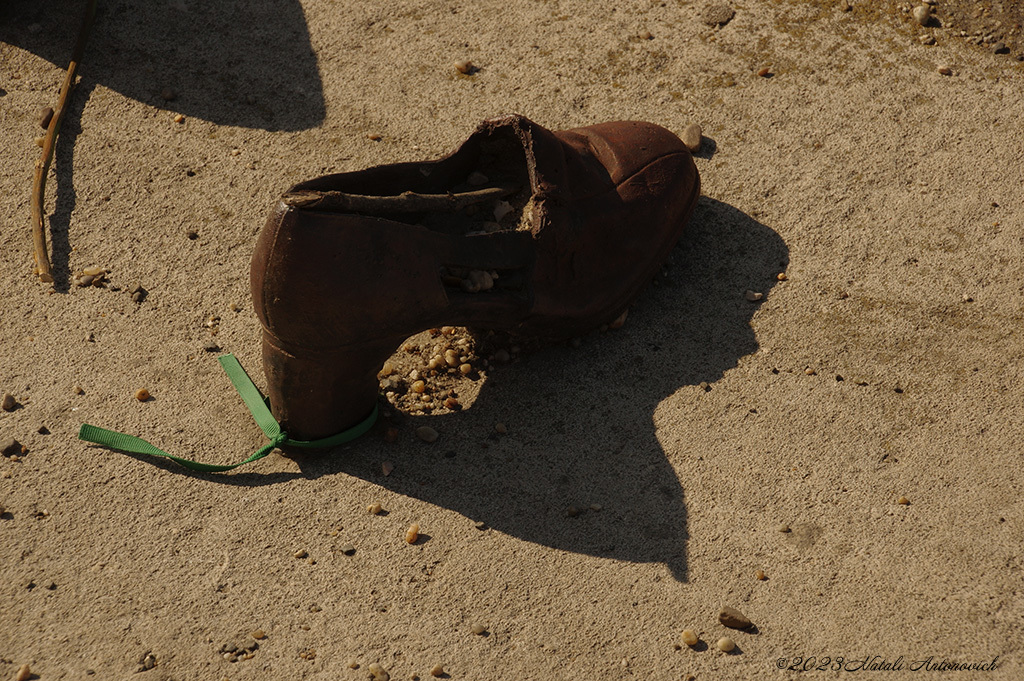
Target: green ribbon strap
<point>259,408</point>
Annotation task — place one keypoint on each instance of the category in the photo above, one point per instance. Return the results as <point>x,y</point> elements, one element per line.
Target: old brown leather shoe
<point>521,229</point>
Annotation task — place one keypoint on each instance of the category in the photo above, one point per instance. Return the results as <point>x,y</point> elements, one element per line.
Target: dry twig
<point>49,142</point>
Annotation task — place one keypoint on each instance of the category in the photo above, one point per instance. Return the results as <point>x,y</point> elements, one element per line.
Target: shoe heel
<point>315,393</point>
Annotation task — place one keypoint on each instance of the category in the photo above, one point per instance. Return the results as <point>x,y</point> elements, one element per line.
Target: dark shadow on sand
<point>229,62</point>
<point>580,420</point>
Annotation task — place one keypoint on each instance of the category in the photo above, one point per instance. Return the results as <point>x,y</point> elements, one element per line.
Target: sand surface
<point>887,364</point>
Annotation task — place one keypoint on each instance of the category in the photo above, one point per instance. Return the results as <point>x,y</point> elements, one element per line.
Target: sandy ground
<point>887,364</point>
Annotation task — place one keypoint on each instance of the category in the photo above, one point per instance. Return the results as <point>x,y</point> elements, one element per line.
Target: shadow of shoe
<point>581,468</point>
<point>232,63</point>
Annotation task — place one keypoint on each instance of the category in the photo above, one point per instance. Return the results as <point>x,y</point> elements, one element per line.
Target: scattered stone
<point>753,296</point>
<point>301,553</point>
<point>596,507</point>
<point>922,14</point>
<point>572,511</point>
<point>646,35</point>
<point>760,575</point>
<point>726,644</point>
<point>142,395</point>
<point>464,66</point>
<point>24,673</point>
<point>147,662</point>
<point>418,387</point>
<point>690,637</point>
<point>782,528</point>
<point>258,634</point>
<point>374,509</point>
<point>375,136</point>
<point>437,670</point>
<point>945,71</point>
<point>764,72</point>
<point>412,535</point>
<point>378,672</point>
<point>717,15</point>
<point>78,390</point>
<point>353,664</point>
<point>466,369</point>
<point>903,501</point>
<point>845,6</point>
<point>1000,48</point>
<point>733,618</point>
<point>386,467</point>
<point>781,276</point>
<point>927,40</point>
<point>210,346</point>
<point>191,234</point>
<point>43,430</point>
<point>179,119</point>
<point>692,137</point>
<point>8,403</point>
<point>809,371</point>
<point>480,525</point>
<point>168,94</point>
<point>500,428</point>
<point>478,629</point>
<point>427,434</point>
<point>45,116</point>
<point>347,549</point>
<point>235,307</point>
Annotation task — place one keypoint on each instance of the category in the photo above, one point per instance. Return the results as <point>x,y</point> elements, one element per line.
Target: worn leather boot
<point>521,229</point>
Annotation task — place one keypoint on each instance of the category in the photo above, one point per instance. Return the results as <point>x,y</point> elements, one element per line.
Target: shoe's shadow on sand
<point>581,420</point>
<point>229,62</point>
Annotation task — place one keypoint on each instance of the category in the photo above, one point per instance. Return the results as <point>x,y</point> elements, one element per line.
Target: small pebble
<point>619,321</point>
<point>142,394</point>
<point>760,575</point>
<point>945,71</point>
<point>40,141</point>
<point>24,673</point>
<point>418,386</point>
<point>452,403</point>
<point>733,618</point>
<point>78,390</point>
<point>234,307</point>
<point>781,276</point>
<point>191,234</point>
<point>1000,48</point>
<point>374,509</point>
<point>717,15</point>
<point>927,40</point>
<point>427,434</point>
<point>378,672</point>
<point>179,119</point>
<point>500,428</point>
<point>809,371</point>
<point>347,549</point>
<point>782,528</point>
<point>903,501</point>
<point>753,296</point>
<point>465,369</point>
<point>726,645</point>
<point>692,137</point>
<point>94,271</point>
<point>437,670</point>
<point>412,535</point>
<point>690,637</point>
<point>596,507</point>
<point>301,553</point>
<point>646,35</point>
<point>386,467</point>
<point>464,66</point>
<point>45,116</point>
<point>8,403</point>
<point>572,511</point>
<point>478,628</point>
<point>480,525</point>
<point>764,72</point>
<point>168,94</point>
<point>353,664</point>
<point>375,136</point>
<point>259,634</point>
<point>922,14</point>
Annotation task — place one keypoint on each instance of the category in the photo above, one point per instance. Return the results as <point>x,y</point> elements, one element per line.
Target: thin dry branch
<point>406,202</point>
<point>42,258</point>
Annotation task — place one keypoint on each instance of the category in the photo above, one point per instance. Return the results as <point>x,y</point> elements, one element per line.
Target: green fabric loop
<point>258,407</point>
